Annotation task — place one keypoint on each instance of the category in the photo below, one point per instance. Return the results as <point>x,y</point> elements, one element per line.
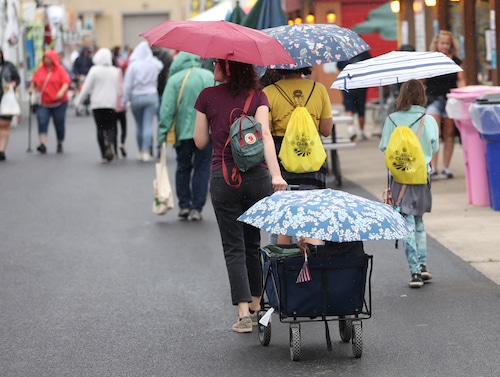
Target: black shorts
<point>355,101</point>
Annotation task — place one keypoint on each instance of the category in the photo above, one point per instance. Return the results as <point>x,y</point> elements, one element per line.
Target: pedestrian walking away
<point>121,112</point>
<point>103,85</point>
<point>240,242</point>
<point>414,200</point>
<point>51,82</point>
<point>355,99</point>
<point>314,96</point>
<point>185,82</point>
<point>437,89</point>
<point>9,77</point>
<point>140,87</point>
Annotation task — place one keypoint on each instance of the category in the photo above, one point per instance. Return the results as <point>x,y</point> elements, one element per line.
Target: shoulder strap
<point>421,117</point>
<point>290,101</point>
<point>283,93</point>
<point>248,101</point>
<point>310,94</point>
<point>183,85</point>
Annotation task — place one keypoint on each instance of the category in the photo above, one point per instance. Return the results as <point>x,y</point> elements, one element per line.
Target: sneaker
<point>446,173</point>
<point>42,149</point>
<point>416,281</point>
<point>108,153</point>
<point>104,161</point>
<point>123,150</point>
<point>254,317</point>
<point>362,136</point>
<point>433,174</point>
<point>243,325</point>
<point>426,275</point>
<point>2,156</point>
<point>184,213</point>
<point>146,157</point>
<point>194,215</point>
<point>59,148</point>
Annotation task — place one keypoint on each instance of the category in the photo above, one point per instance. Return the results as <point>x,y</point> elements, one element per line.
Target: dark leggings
<point>105,121</point>
<point>122,119</point>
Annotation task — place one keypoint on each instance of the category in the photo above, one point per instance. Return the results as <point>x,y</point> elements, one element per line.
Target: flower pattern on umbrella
<point>314,44</point>
<point>329,215</point>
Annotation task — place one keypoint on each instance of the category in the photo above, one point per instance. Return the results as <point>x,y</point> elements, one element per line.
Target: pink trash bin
<point>476,176</point>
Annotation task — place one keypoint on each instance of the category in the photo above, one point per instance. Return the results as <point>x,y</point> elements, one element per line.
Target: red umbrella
<point>219,39</point>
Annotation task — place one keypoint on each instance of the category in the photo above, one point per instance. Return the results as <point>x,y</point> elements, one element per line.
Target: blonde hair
<point>454,50</point>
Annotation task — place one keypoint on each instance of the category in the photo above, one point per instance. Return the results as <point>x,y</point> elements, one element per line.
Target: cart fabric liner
<point>337,288</point>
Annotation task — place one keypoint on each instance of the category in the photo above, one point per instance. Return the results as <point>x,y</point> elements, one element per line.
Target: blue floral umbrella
<point>329,215</point>
<point>315,44</point>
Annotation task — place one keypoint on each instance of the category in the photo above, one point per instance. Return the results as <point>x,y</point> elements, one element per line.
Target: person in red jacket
<point>51,81</point>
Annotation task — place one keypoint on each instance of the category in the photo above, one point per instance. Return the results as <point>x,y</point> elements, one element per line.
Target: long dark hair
<point>411,93</point>
<point>241,78</point>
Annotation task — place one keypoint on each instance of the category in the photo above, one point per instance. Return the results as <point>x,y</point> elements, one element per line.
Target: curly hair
<point>242,77</point>
<point>454,50</point>
<point>411,93</point>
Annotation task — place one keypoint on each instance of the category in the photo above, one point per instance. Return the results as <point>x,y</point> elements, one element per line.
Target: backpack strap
<point>287,97</point>
<point>235,174</point>
<point>421,117</point>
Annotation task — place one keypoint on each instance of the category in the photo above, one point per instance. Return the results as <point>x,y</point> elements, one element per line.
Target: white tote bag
<point>164,198</point>
<point>9,105</point>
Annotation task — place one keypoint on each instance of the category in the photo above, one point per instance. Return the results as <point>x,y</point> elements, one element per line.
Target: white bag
<point>164,198</point>
<point>9,105</point>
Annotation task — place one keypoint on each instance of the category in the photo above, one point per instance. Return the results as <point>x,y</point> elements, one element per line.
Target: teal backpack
<point>247,145</point>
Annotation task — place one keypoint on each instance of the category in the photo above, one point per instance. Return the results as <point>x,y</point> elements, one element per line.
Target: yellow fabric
<point>404,157</point>
<point>319,105</point>
<point>302,150</point>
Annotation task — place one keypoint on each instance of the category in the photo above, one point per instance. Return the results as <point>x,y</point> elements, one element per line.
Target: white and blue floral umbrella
<point>329,215</point>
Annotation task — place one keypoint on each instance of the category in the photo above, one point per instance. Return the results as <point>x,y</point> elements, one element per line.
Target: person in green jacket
<point>185,82</point>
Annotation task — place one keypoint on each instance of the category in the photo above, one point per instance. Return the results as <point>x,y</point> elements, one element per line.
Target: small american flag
<point>305,272</point>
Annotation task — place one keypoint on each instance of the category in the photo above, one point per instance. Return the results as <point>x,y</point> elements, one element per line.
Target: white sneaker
<point>146,157</point>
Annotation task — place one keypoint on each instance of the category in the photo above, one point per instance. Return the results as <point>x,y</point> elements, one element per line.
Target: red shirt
<point>217,103</point>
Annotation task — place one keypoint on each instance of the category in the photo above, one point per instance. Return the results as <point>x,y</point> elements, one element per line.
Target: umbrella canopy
<point>265,14</point>
<point>380,20</point>
<point>218,39</point>
<point>328,215</point>
<point>314,44</point>
<point>237,15</point>
<point>393,68</point>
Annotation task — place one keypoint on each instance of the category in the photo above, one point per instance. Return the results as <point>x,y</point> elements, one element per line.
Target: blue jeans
<point>192,174</point>
<point>58,114</point>
<point>240,242</point>
<point>144,108</point>
<point>415,243</point>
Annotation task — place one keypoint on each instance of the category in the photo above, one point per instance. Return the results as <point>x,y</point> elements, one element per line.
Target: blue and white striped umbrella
<point>393,68</point>
<point>329,215</point>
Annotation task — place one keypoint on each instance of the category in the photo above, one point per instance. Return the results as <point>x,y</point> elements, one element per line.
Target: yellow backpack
<point>404,156</point>
<point>301,150</point>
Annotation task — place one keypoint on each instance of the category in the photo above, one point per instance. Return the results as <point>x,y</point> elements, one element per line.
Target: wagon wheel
<point>357,340</point>
<point>345,329</point>
<point>295,342</point>
<point>264,331</point>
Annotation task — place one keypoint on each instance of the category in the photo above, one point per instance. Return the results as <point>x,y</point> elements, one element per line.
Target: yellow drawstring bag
<point>404,156</point>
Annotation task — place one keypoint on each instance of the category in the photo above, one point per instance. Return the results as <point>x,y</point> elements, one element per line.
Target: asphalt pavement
<point>92,283</point>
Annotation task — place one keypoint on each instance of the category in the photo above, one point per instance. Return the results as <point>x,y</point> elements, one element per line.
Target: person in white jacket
<point>103,85</point>
<point>140,88</point>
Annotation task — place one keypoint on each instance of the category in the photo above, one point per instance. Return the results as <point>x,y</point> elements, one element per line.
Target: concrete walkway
<point>469,231</point>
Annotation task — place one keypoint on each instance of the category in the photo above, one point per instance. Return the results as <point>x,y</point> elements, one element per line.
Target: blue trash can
<point>485,115</point>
